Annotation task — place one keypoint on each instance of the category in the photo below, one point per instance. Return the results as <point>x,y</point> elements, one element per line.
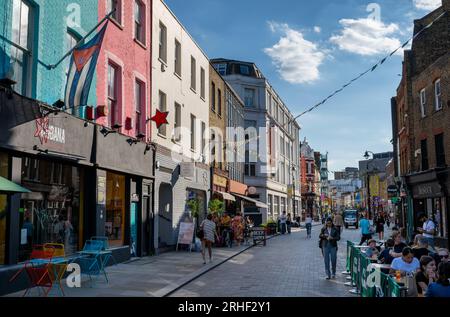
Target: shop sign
<point>187,169</point>
<point>46,132</point>
<point>427,190</point>
<point>134,198</point>
<point>238,188</point>
<point>220,181</point>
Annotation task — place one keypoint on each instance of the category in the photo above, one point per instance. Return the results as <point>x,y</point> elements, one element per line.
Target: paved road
<point>289,266</point>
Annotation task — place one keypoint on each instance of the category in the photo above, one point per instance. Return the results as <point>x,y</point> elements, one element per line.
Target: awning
<point>256,202</point>
<point>9,187</point>
<point>226,196</point>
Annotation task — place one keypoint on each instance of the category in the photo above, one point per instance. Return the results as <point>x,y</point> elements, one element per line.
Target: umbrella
<point>9,187</point>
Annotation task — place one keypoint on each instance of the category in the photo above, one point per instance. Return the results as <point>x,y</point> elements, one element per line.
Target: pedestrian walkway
<point>291,266</point>
<point>151,276</point>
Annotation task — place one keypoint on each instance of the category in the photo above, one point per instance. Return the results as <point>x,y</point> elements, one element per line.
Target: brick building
<point>420,119</point>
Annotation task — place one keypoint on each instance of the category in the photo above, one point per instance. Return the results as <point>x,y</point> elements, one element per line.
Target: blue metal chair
<point>91,263</point>
<point>105,247</point>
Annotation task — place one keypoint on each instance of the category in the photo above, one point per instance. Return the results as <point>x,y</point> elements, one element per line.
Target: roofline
<point>184,29</point>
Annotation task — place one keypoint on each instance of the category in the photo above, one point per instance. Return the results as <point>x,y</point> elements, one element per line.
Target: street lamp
<point>293,191</point>
<point>368,173</point>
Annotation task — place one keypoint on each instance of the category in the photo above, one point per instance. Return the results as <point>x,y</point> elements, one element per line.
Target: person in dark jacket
<point>329,236</point>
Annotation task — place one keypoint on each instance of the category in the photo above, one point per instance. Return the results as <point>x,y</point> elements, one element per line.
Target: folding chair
<point>91,265</point>
<point>105,247</point>
<point>57,270</point>
<point>38,272</point>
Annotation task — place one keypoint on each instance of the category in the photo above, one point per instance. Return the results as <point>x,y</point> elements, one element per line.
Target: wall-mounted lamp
<point>8,83</point>
<point>132,141</point>
<point>106,131</point>
<point>36,148</point>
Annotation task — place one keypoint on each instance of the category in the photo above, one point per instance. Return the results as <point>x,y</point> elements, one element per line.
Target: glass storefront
<point>51,212</point>
<point>115,209</point>
<point>3,208</point>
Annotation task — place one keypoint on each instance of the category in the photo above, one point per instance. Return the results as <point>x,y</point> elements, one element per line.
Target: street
<point>289,266</point>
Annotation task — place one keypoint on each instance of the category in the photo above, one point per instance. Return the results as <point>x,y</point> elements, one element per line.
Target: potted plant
<point>216,206</point>
<point>271,226</point>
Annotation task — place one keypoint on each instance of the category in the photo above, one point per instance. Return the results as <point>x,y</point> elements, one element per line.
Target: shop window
<point>51,212</point>
<point>115,209</point>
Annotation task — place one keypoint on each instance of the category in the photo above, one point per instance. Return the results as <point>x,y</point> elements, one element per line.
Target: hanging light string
<point>371,69</point>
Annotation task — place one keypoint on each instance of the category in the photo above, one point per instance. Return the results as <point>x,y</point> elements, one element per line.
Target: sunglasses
<point>444,256</point>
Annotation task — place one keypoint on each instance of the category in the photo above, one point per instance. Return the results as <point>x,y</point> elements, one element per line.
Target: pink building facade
<point>124,67</point>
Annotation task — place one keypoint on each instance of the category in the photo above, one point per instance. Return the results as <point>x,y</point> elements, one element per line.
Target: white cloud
<point>297,60</point>
<point>427,5</point>
<point>317,29</point>
<point>367,37</point>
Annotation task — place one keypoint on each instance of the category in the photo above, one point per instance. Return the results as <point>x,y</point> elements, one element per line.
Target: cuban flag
<point>81,71</point>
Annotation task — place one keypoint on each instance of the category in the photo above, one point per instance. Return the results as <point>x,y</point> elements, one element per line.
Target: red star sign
<point>160,118</point>
<point>42,127</point>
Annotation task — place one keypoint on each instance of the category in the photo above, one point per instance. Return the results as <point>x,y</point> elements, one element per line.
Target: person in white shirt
<point>428,230</point>
<point>406,264</point>
<point>283,219</point>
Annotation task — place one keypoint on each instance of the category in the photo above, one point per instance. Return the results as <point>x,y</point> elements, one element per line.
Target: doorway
<point>165,216</point>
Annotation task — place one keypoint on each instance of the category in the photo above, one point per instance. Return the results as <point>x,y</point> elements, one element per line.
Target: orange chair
<point>57,270</point>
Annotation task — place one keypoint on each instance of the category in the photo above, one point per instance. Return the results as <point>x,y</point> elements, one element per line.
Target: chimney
<point>446,5</point>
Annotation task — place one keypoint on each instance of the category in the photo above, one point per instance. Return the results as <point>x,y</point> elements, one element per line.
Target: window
<point>283,173</point>
<point>437,95</point>
<point>249,97</point>
<point>162,42</point>
<point>113,102</point>
<point>213,96</point>
<point>250,166</point>
<point>203,139</point>
<point>202,83</point>
<point>21,35</point>
<point>139,21</point>
<point>115,5</point>
<point>219,102</point>
<point>440,150</point>
<point>281,145</point>
<point>244,69</point>
<point>423,101</point>
<point>177,131</point>
<point>270,204</point>
<point>424,153</point>
<point>162,106</point>
<point>192,132</point>
<point>193,74</point>
<point>276,206</point>
<point>280,115</point>
<point>139,99</point>
<point>221,69</point>
<point>283,204</point>
<point>177,58</point>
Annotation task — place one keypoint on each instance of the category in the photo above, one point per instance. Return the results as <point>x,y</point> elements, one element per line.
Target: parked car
<point>351,218</point>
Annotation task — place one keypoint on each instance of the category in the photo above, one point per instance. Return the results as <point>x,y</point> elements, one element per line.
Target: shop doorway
<point>165,216</point>
<point>147,213</point>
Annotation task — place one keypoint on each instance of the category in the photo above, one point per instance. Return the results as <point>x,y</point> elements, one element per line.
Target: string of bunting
<point>371,69</point>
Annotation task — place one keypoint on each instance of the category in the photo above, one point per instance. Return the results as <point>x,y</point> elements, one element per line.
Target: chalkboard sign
<point>259,235</point>
<point>186,234</point>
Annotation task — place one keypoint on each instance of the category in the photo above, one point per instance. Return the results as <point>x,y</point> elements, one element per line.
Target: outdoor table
<point>55,261</point>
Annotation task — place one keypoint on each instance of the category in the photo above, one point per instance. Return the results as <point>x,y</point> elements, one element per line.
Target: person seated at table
<point>427,274</point>
<point>373,250</point>
<point>442,256</point>
<point>385,257</point>
<point>440,288</point>
<point>399,245</point>
<point>407,263</point>
<point>421,248</point>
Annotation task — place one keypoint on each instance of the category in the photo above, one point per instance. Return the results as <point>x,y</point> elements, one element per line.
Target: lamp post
<point>293,191</point>
<point>368,173</point>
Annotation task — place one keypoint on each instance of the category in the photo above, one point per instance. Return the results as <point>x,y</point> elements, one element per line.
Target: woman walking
<point>379,222</point>
<point>209,233</point>
<point>329,236</point>
<point>308,223</point>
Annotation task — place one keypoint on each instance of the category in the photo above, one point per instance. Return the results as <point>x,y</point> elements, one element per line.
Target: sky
<point>309,49</point>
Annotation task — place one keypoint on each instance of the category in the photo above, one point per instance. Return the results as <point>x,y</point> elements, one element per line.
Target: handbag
<point>200,234</point>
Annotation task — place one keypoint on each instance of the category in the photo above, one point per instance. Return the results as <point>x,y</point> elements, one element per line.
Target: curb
<point>170,289</point>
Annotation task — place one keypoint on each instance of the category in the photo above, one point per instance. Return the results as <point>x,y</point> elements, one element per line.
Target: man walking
<point>364,224</point>
<point>329,236</point>
<point>283,219</point>
<point>338,222</point>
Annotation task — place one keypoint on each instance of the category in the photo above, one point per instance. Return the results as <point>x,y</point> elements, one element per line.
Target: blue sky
<point>309,49</point>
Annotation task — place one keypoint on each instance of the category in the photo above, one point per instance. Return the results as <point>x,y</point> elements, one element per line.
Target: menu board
<point>186,233</point>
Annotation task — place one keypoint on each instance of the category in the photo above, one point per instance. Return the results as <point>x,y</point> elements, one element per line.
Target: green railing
<point>368,281</point>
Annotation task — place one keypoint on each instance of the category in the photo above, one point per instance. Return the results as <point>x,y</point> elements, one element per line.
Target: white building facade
<point>272,149</point>
<point>180,77</point>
